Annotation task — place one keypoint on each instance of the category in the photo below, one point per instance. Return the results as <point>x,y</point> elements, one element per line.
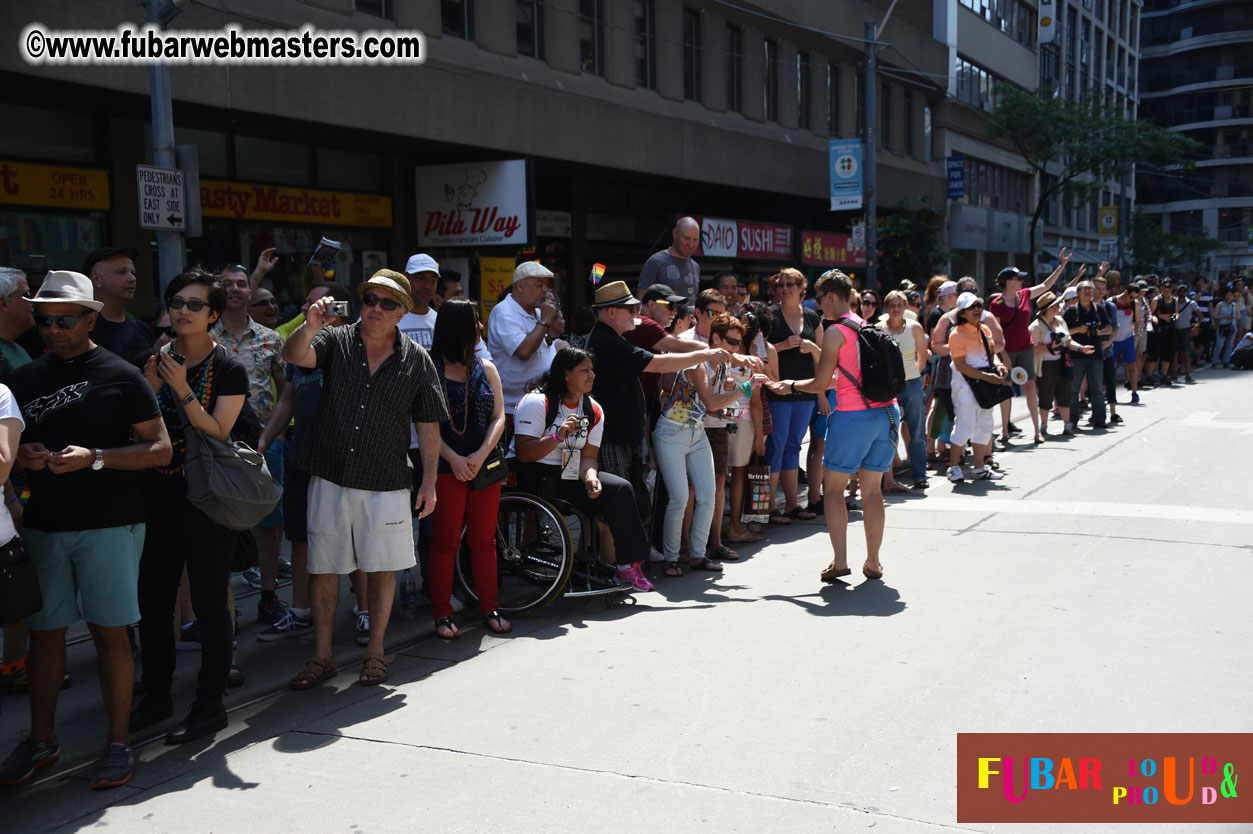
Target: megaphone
<point>1018,376</point>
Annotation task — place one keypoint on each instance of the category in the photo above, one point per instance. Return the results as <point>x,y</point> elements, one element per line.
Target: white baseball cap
<point>967,300</point>
<point>421,263</point>
<point>1071,292</point>
<point>948,288</point>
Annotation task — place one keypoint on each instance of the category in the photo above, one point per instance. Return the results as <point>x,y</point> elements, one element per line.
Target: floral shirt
<point>261,351</point>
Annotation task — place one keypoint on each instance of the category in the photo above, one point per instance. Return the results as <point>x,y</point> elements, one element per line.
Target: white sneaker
<point>985,473</point>
<point>252,577</point>
<point>956,475</point>
<point>363,628</point>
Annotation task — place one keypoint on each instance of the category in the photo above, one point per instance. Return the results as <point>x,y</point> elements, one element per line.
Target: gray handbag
<point>228,482</point>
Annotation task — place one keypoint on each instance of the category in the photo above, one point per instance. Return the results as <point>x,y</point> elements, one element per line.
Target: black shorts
<point>295,504</point>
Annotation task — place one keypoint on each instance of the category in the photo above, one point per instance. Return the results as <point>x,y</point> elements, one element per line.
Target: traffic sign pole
<point>169,243</point>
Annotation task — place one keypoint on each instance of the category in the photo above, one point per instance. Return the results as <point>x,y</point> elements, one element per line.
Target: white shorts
<point>971,422</point>
<point>740,444</point>
<point>352,529</point>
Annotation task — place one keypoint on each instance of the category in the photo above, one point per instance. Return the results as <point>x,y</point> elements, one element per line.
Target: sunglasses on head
<point>62,322</point>
<point>372,300</point>
<point>193,304</point>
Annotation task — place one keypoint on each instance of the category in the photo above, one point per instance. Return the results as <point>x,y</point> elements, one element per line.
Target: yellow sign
<point>243,201</point>
<point>60,186</point>
<point>1107,220</point>
<point>495,274</point>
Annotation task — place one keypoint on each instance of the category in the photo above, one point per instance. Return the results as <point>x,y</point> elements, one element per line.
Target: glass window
<point>926,133</point>
<point>735,64</point>
<point>457,18</point>
<point>833,100</point>
<point>210,149</point>
<point>770,92</point>
<point>530,28</point>
<point>378,8</point>
<point>350,170</point>
<point>592,36</point>
<point>691,54</point>
<point>645,36</point>
<point>47,134</point>
<point>265,160</point>
<point>885,115</point>
<point>802,90</point>
<point>909,124</point>
<point>38,242</point>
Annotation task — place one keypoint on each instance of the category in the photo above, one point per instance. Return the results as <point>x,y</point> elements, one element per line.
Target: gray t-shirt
<point>680,274</point>
<point>1187,309</point>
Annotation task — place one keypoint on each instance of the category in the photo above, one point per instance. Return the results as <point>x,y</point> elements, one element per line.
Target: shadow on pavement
<point>871,598</point>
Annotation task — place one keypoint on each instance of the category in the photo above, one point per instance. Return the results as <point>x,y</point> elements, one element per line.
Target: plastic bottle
<point>408,596</point>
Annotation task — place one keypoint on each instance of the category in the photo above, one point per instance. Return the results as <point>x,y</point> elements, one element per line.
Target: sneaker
<point>284,566</point>
<point>655,555</point>
<point>26,758</point>
<point>457,605</point>
<point>1014,429</point>
<point>1114,418</point>
<point>252,577</point>
<point>188,638</point>
<point>114,768</point>
<point>289,626</point>
<point>271,612</point>
<point>956,475</point>
<point>984,473</point>
<point>1069,429</point>
<point>363,628</point>
<point>1188,379</point>
<point>634,576</point>
<point>1135,397</point>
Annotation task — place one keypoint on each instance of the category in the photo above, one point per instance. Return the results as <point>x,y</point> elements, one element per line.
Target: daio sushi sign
<point>741,239</point>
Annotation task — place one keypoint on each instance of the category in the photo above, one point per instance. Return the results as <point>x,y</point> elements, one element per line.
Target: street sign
<point>162,198</point>
<point>844,164</point>
<point>1107,220</point>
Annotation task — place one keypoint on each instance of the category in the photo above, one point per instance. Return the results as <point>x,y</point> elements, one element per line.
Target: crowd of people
<point>390,416</point>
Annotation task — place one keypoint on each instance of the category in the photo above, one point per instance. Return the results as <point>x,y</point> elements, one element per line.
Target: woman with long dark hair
<point>476,422</point>
<point>557,434</point>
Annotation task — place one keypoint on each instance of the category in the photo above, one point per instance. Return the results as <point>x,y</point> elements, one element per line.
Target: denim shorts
<point>861,440</point>
<point>818,428</point>
<point>1125,351</point>
<point>102,566</point>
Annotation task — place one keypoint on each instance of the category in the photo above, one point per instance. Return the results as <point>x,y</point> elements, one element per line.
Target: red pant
<point>457,508</point>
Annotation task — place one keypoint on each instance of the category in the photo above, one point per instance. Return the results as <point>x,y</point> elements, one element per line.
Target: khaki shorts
<point>352,529</point>
<point>740,444</point>
<point>1142,341</point>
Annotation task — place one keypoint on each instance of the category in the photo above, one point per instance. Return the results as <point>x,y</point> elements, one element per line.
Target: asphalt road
<point>1098,587</point>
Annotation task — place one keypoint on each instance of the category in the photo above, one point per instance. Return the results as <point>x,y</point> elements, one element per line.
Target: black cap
<point>106,252</point>
<point>662,292</point>
<point>1010,272</point>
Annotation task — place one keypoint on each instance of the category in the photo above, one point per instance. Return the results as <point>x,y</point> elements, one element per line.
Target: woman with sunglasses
<point>970,347</point>
<point>871,306</point>
<point>203,384</point>
<point>912,341</point>
<point>795,334</point>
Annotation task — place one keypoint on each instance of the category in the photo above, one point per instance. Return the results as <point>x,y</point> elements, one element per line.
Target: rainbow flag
<point>598,272</point>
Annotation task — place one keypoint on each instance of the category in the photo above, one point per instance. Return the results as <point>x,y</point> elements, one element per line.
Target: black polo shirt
<point>359,436</point>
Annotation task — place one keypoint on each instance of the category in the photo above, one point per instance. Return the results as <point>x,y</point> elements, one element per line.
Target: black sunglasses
<point>62,322</point>
<point>167,331</point>
<point>193,304</point>
<point>269,302</point>
<point>372,300</point>
<point>732,342</point>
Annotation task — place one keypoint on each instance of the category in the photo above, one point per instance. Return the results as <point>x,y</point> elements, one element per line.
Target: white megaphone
<point>1018,376</point>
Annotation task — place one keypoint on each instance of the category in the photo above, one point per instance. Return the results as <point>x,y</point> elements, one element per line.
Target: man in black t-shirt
<point>112,273</point>
<point>92,424</point>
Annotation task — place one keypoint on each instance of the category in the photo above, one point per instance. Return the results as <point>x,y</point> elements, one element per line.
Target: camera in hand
<point>338,308</point>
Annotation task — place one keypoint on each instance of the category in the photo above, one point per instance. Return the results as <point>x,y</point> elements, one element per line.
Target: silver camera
<point>338,308</point>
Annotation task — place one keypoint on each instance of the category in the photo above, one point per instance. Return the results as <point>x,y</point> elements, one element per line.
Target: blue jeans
<point>1093,367</point>
<point>911,403</point>
<point>683,452</point>
<point>1224,344</point>
<point>791,421</point>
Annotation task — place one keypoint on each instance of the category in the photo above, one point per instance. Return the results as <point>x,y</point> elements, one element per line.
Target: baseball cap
<point>948,288</point>
<point>421,262</point>
<point>1071,292</point>
<point>65,287</point>
<point>1011,272</point>
<point>391,280</point>
<point>97,255</point>
<point>531,269</point>
<point>967,300</point>
<point>663,292</point>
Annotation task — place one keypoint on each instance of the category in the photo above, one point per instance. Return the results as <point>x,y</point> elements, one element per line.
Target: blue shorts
<point>1125,351</point>
<point>100,565</point>
<point>861,440</point>
<point>818,428</point>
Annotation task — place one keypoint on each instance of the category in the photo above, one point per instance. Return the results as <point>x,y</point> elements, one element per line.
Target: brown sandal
<point>317,670</point>
<point>373,670</point>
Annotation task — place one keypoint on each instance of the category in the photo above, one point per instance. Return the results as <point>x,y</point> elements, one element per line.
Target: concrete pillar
<point>787,84</point>
<point>669,48</point>
<point>411,14</point>
<point>818,94</point>
<point>620,44</point>
<point>714,42</point>
<point>753,68</point>
<point>849,93</point>
<point>561,35</point>
<point>495,26</point>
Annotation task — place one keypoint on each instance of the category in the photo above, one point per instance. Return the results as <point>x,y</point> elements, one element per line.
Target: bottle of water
<point>408,596</point>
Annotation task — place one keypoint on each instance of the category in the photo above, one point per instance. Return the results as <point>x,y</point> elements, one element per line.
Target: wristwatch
<point>98,463</point>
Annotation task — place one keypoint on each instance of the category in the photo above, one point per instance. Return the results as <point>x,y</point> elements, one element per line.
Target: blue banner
<point>844,160</point>
<point>956,167</point>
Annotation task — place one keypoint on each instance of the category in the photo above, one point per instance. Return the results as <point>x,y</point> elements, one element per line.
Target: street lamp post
<point>169,243</point>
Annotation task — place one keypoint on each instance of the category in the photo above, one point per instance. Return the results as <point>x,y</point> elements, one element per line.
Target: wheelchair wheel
<point>534,555</point>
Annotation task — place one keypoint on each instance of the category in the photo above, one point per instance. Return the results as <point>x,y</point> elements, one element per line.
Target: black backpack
<point>882,367</point>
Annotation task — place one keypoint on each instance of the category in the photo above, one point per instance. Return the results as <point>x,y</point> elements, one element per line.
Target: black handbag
<point>493,471</point>
<point>19,585</point>
<point>988,394</point>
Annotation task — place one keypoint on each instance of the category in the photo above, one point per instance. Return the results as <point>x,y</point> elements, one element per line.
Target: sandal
<point>799,513</point>
<point>450,633</point>
<point>897,489</point>
<point>235,677</point>
<point>872,574</point>
<point>705,564</point>
<point>777,517</point>
<point>831,573</point>
<point>725,553</point>
<point>497,624</point>
<point>850,503</point>
<point>317,670</point>
<point>754,527</point>
<point>373,670</point>
<point>921,483</point>
<point>673,569</point>
<point>747,537</point>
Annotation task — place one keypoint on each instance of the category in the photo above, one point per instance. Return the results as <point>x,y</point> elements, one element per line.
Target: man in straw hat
<point>377,383</point>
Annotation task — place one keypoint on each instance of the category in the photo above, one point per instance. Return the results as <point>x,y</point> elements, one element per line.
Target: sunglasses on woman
<point>193,304</point>
<point>372,300</point>
<point>62,322</point>
<point>167,331</point>
<point>788,285</point>
<point>269,302</point>
<point>732,342</point>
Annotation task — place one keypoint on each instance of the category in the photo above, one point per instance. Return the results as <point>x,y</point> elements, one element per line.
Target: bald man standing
<point>673,265</point>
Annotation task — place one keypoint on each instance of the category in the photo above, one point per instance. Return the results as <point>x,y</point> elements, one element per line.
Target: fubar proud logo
<point>1103,777</point>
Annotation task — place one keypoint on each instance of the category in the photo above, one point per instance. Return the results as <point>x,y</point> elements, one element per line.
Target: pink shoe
<point>633,575</point>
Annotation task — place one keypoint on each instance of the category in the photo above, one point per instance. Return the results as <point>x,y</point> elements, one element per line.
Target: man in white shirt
<point>516,331</point>
<point>419,323</point>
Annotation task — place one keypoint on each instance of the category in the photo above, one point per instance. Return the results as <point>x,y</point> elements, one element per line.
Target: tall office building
<point>1197,78</point>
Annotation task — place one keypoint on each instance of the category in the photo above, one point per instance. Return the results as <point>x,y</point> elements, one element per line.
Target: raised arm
<point>298,349</point>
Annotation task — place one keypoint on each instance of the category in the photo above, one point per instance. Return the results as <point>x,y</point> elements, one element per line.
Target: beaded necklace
<point>201,384</point>
<point>465,403</point>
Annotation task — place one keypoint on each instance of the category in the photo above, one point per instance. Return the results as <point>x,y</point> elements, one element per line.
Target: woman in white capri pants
<point>970,348</point>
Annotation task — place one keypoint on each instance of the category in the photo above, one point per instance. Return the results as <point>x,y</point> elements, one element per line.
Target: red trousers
<point>460,508</point>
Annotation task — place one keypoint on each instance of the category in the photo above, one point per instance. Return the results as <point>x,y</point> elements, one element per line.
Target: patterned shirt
<point>261,351</point>
<point>359,436</point>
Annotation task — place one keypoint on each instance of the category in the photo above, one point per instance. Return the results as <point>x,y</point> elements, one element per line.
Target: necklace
<point>465,402</point>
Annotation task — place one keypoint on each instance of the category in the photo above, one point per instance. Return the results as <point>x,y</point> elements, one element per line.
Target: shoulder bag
<point>228,482</point>
<point>988,394</point>
<point>19,585</point>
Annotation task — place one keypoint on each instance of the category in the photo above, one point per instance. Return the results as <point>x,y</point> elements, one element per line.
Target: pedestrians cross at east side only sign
<point>161,198</point>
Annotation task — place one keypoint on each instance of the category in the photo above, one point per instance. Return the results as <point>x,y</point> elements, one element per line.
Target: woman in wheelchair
<point>557,433</point>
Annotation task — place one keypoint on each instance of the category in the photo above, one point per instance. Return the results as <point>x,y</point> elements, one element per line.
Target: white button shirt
<point>507,327</point>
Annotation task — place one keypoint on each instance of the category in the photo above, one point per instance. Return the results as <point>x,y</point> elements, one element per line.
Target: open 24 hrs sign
<point>162,198</point>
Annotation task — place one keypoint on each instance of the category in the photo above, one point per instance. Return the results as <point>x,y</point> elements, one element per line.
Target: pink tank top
<point>847,397</point>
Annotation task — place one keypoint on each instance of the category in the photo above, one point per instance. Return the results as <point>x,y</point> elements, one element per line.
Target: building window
<point>457,18</point>
<point>1013,17</point>
<point>770,92</point>
<point>691,54</point>
<point>926,133</point>
<point>909,125</point>
<point>1050,69</point>
<point>592,36</point>
<point>268,161</point>
<point>802,91</point>
<point>530,15</point>
<point>51,134</point>
<point>995,187</point>
<point>975,85</point>
<point>833,100</point>
<point>735,68</point>
<point>885,115</point>
<point>378,8</point>
<point>645,45</point>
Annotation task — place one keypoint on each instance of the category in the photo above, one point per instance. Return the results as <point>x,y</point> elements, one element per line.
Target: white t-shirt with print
<point>529,420</point>
<point>8,411</point>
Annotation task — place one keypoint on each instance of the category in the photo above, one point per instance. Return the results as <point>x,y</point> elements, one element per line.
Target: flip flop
<point>801,514</point>
<point>747,537</point>
<point>446,622</point>
<point>897,489</point>
<point>706,565</point>
<point>673,569</point>
<point>725,553</point>
<point>777,517</point>
<point>753,527</point>
<point>493,622</point>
